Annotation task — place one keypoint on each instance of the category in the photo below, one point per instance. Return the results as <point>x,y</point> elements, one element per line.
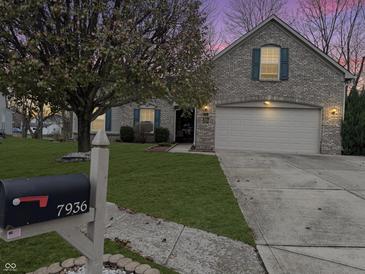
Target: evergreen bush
<point>353,126</point>
<point>127,134</point>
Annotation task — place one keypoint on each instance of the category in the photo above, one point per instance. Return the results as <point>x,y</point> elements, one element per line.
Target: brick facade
<point>167,119</point>
<point>312,80</point>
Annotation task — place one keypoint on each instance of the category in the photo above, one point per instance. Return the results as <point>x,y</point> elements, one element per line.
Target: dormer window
<point>270,63</point>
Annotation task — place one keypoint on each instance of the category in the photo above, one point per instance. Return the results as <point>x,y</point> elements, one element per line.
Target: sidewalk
<point>184,249</point>
<point>185,148</point>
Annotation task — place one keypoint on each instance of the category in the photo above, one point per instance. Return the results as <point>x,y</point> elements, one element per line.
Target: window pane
<point>147,115</point>
<point>98,123</point>
<point>270,57</point>
<point>147,119</point>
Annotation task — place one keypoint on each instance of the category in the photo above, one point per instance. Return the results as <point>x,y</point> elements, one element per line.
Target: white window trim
<point>270,80</point>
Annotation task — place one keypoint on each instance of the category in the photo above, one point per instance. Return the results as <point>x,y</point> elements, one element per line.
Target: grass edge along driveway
<point>185,188</point>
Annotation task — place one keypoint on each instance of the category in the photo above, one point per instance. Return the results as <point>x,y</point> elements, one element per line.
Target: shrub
<point>353,126</point>
<point>127,134</point>
<point>162,135</point>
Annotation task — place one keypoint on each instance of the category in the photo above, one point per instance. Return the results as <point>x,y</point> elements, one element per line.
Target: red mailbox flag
<point>43,200</point>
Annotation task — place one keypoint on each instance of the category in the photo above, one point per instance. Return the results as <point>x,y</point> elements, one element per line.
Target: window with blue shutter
<point>135,116</point>
<point>108,120</point>
<point>255,64</point>
<point>284,64</point>
<point>157,118</point>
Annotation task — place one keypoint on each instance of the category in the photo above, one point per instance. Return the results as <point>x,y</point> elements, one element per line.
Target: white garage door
<point>268,129</point>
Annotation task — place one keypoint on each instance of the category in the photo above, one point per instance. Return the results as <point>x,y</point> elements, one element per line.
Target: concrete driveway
<point>307,211</point>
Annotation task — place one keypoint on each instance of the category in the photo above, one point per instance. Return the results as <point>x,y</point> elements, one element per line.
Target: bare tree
<point>319,20</point>
<point>244,15</point>
<point>336,27</point>
<point>351,35</point>
<point>214,38</point>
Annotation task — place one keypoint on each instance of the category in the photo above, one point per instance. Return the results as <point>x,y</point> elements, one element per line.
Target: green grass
<point>32,253</point>
<point>184,188</point>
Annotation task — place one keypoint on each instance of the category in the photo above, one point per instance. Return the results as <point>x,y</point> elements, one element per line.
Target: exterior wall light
<point>267,103</point>
<point>205,108</point>
<point>333,111</point>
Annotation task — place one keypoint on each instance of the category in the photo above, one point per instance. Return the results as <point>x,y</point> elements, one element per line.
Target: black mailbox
<point>39,199</point>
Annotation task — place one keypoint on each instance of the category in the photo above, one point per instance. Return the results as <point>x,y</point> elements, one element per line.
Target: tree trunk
<point>359,72</point>
<point>83,136</point>
<point>66,125</point>
<point>24,126</point>
<point>40,121</point>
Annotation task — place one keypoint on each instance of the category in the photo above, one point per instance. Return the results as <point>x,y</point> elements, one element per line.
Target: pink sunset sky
<point>221,6</point>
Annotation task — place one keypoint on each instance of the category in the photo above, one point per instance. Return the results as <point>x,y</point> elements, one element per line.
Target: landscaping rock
<point>115,258</point>
<point>80,261</point>
<point>123,262</point>
<point>54,268</point>
<point>141,268</point>
<point>152,271</point>
<point>105,271</point>
<point>68,263</point>
<point>129,268</point>
<point>76,157</point>
<point>106,258</point>
<point>42,270</point>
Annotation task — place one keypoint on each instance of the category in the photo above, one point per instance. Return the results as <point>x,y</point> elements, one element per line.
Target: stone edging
<point>116,261</point>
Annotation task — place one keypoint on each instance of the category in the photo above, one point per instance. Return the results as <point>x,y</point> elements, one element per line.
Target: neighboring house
<point>51,126</point>
<point>52,129</point>
<point>276,92</point>
<point>6,120</point>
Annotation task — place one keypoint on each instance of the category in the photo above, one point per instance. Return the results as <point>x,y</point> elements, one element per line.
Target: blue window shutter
<point>135,116</point>
<point>157,118</point>
<point>284,64</point>
<point>256,64</point>
<point>108,120</point>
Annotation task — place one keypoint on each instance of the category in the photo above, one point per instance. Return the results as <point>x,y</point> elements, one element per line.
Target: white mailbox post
<point>92,244</point>
<point>99,183</point>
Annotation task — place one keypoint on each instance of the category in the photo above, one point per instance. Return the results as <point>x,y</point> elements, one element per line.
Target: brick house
<point>276,92</point>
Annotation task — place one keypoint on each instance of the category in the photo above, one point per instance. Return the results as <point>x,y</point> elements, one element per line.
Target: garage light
<point>267,103</point>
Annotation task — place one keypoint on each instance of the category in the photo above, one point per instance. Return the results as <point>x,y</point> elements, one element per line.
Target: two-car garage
<point>268,126</point>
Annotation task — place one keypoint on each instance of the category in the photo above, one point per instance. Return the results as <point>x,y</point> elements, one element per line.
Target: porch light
<point>205,108</point>
<point>267,103</point>
<point>333,111</point>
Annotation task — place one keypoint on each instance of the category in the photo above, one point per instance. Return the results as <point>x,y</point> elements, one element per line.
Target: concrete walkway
<point>185,148</point>
<point>184,249</point>
<point>307,211</point>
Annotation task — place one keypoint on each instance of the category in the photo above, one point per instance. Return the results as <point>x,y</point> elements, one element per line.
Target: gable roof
<point>347,74</point>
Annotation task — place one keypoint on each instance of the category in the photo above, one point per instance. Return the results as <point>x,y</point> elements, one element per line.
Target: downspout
<point>344,101</point>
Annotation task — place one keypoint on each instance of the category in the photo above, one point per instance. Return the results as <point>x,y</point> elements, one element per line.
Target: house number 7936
<point>71,208</point>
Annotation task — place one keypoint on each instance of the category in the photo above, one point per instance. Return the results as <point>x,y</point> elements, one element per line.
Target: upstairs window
<point>270,63</point>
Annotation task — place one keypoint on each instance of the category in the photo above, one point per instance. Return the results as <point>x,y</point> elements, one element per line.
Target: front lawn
<point>184,188</point>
